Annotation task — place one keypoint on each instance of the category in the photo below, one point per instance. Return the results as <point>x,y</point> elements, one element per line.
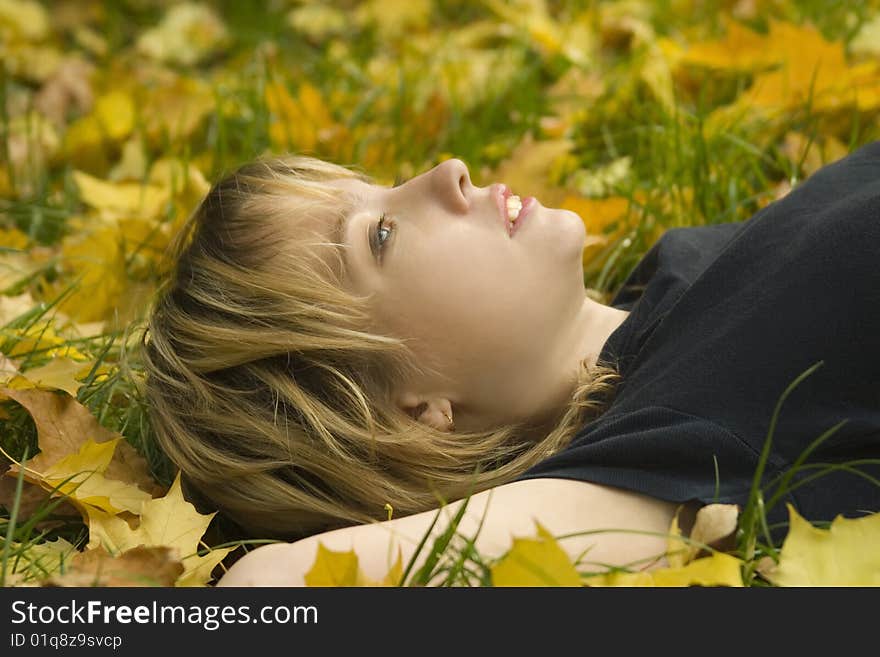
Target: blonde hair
<point>265,385</point>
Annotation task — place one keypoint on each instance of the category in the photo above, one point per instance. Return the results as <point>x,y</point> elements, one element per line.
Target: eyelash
<point>378,247</point>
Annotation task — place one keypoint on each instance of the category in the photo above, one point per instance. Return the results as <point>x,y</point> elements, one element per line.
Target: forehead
<point>328,216</point>
<point>329,229</point>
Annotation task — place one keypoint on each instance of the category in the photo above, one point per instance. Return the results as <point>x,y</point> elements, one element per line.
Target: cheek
<point>475,293</point>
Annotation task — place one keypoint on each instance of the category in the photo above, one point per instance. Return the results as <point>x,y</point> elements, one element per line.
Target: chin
<point>571,233</point>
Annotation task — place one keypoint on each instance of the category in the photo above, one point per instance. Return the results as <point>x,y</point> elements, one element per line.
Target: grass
<point>403,99</point>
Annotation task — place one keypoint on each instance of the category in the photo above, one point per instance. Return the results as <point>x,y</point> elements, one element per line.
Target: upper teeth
<point>514,205</point>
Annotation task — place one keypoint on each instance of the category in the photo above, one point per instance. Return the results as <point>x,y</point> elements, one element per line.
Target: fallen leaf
<point>81,477</point>
<point>717,570</point>
<point>12,307</point>
<point>714,524</point>
<point>58,374</point>
<point>535,561</point>
<point>169,521</point>
<point>114,199</point>
<point>40,560</point>
<point>64,425</point>
<point>140,566</point>
<point>845,554</point>
<point>741,49</point>
<point>332,568</point>
<point>32,498</point>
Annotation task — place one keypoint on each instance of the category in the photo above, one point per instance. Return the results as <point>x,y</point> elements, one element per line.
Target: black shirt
<point>722,319</point>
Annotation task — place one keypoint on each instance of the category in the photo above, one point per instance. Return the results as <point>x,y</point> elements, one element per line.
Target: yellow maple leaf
<point>535,561</point>
<point>720,569</point>
<point>845,554</point>
<point>81,477</point>
<point>169,521</point>
<point>334,568</point>
<point>113,199</point>
<point>740,49</point>
<point>60,373</point>
<point>794,65</point>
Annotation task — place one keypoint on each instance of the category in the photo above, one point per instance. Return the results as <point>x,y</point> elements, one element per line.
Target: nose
<point>451,183</point>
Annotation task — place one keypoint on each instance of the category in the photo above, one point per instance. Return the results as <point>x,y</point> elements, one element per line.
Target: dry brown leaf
<point>31,499</point>
<point>140,566</point>
<point>714,525</point>
<point>63,426</point>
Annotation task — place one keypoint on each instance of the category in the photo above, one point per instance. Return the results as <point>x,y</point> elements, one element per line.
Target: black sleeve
<point>658,451</point>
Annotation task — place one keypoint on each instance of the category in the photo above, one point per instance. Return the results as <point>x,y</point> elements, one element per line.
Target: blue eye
<point>377,243</point>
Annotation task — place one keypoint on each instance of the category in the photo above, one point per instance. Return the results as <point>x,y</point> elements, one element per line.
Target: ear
<point>435,411</point>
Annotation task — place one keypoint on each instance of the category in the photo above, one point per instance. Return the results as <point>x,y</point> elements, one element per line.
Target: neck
<point>590,329</point>
<point>596,323</point>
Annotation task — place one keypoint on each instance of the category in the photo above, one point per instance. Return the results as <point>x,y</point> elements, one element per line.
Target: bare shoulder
<point>616,526</point>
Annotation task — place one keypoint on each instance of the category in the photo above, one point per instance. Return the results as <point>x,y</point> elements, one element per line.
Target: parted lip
<point>501,193</point>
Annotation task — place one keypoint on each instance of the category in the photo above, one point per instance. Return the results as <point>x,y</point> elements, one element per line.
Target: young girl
<point>328,350</point>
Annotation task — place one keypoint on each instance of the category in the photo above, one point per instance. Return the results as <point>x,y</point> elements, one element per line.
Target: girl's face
<point>494,313</point>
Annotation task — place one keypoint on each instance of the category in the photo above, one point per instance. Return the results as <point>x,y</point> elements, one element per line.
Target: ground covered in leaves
<point>637,115</point>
